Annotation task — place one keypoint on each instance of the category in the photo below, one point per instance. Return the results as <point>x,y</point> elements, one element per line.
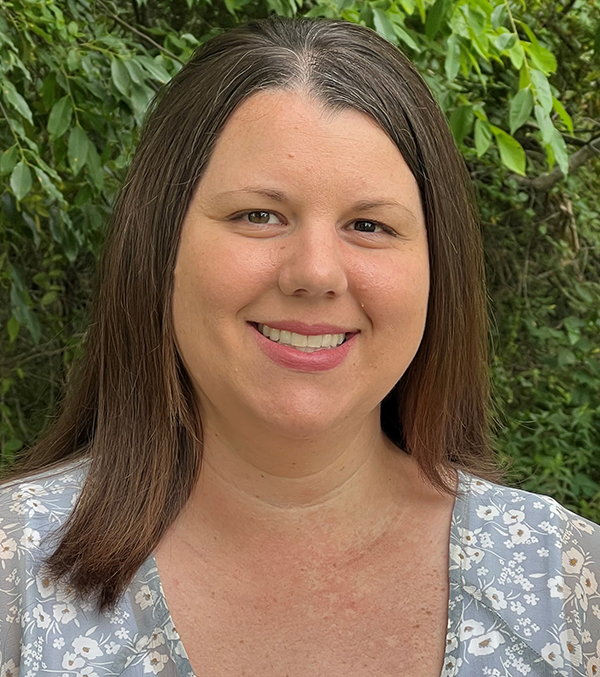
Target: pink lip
<point>286,356</point>
<point>309,329</point>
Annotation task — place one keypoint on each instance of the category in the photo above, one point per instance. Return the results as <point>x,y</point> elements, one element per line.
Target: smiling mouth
<point>302,342</point>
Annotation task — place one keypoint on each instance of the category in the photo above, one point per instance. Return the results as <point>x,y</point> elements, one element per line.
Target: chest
<point>384,619</point>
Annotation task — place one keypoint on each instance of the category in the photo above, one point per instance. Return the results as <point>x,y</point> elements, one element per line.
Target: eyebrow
<point>279,196</point>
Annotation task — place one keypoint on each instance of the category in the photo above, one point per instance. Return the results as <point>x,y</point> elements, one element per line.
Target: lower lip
<point>320,360</point>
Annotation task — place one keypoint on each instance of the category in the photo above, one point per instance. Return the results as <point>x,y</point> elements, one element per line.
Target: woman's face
<point>276,234</point>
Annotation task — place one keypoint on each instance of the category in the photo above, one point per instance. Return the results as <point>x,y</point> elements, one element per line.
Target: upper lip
<point>308,329</point>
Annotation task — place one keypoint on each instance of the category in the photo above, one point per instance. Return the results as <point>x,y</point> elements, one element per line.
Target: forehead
<point>289,138</point>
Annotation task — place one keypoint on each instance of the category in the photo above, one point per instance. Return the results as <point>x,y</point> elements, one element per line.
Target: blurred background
<point>519,81</point>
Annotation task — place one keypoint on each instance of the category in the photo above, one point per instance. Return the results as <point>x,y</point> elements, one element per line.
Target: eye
<point>373,224</point>
<point>256,217</point>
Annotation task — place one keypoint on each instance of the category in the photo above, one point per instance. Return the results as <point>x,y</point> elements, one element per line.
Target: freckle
<point>290,155</point>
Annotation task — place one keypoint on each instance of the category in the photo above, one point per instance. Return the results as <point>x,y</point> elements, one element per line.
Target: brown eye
<point>260,216</point>
<point>370,224</point>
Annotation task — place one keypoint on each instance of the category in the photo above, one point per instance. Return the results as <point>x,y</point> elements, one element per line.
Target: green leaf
<point>60,117</point>
<point>78,149</point>
<point>8,159</point>
<point>483,136</point>
<point>560,151</point>
<point>20,180</point>
<point>16,100</point>
<point>562,114</point>
<point>452,64</point>
<point>499,16</point>
<point>120,76</point>
<point>543,59</point>
<point>511,151</point>
<point>517,54</point>
<point>461,121</point>
<point>94,166</point>
<point>48,186</point>
<point>48,298</point>
<point>135,71</point>
<point>383,25</point>
<point>13,327</point>
<point>542,89</point>
<point>435,17</point>
<point>545,124</point>
<point>520,109</point>
<point>505,41</point>
<point>155,70</point>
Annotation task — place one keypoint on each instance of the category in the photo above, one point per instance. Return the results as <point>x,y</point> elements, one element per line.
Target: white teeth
<point>306,344</point>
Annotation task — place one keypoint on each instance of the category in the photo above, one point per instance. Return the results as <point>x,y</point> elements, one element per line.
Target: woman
<point>274,439</point>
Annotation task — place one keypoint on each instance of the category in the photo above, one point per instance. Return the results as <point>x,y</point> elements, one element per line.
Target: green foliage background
<point>519,83</point>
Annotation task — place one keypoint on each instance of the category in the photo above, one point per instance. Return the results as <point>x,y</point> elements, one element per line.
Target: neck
<point>313,500</point>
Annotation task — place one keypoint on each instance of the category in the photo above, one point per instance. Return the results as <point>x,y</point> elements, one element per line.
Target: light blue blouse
<point>523,573</point>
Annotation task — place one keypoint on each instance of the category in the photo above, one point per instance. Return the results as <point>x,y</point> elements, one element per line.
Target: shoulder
<point>535,565</point>
<point>34,508</point>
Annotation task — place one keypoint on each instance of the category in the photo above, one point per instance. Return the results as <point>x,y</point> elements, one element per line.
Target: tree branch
<point>545,182</point>
<point>133,29</point>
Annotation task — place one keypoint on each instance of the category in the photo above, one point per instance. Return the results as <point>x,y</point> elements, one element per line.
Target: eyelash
<point>387,229</point>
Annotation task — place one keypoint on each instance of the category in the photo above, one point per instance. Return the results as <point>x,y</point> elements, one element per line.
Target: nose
<point>312,263</point>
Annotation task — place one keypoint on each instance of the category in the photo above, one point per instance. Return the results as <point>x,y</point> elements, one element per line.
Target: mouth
<point>304,342</point>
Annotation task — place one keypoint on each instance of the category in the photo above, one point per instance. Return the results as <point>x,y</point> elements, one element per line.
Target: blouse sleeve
<point>578,584</point>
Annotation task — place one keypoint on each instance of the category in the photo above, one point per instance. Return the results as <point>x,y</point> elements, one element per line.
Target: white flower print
<point>581,597</point>
<point>45,586</point>
<point>157,639</point>
<point>586,638</point>
<point>487,512</point>
<point>145,597</point>
<point>496,597</point>
<point>87,672</point>
<point>58,643</point>
<point>558,587</point>
<point>71,661</point>
<point>154,662</point>
<point>34,506</point>
<point>87,647</point>
<point>112,647</point>
<point>583,526</point>
<point>572,561</point>
<point>470,629</point>
<point>593,667</point>
<point>42,618</point>
<point>467,536</point>
<point>543,552</point>
<point>64,612</point>
<point>9,669</point>
<point>122,634</point>
<point>531,599</point>
<point>571,648</point>
<point>485,541</point>
<point>480,487</point>
<point>30,538</point>
<point>451,666</point>
<point>513,516</point>
<point>588,581</point>
<point>451,642</point>
<point>474,591</point>
<point>519,533</point>
<point>517,607</point>
<point>8,546</point>
<point>486,644</point>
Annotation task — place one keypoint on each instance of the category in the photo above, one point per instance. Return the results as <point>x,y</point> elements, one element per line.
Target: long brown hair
<point>130,407</point>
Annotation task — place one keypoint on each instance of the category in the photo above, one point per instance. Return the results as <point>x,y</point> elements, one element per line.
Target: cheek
<point>215,278</point>
<point>397,290</point>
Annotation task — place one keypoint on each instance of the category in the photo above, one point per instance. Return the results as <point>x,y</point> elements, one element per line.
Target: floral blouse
<point>523,600</point>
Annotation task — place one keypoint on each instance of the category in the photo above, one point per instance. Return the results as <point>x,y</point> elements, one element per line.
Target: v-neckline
<point>177,651</point>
